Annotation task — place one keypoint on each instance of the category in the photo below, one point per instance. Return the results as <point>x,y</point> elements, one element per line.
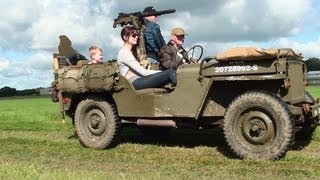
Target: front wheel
<point>97,123</point>
<point>258,125</point>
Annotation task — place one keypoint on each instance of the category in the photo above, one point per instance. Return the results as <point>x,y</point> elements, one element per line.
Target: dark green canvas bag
<point>99,77</point>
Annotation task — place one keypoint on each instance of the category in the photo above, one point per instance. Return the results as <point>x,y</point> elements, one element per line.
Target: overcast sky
<point>29,29</point>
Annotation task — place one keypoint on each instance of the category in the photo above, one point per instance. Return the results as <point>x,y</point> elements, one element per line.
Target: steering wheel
<point>192,51</point>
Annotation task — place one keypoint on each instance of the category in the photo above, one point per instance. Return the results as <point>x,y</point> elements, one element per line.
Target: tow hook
<point>312,110</point>
<point>315,109</point>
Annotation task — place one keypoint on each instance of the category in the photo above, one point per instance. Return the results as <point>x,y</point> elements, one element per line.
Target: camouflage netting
<point>253,53</point>
<point>93,78</point>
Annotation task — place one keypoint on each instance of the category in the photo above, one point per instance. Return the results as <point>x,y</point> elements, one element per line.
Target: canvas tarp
<point>92,77</point>
<point>253,53</point>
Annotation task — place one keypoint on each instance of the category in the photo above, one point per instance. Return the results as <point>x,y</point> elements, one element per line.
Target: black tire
<point>258,125</point>
<point>305,131</point>
<point>97,123</point>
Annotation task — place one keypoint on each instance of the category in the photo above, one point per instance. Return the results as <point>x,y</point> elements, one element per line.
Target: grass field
<point>35,144</point>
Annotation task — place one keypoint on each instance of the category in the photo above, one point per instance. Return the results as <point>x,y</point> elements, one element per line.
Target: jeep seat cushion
<point>151,91</point>
<point>253,53</point>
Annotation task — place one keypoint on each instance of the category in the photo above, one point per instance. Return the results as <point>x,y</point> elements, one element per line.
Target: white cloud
<point>4,64</point>
<point>289,9</point>
<point>308,50</point>
<point>33,72</point>
<point>81,22</point>
<point>32,27</point>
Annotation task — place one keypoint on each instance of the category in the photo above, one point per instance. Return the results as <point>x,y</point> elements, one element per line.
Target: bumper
<point>315,110</point>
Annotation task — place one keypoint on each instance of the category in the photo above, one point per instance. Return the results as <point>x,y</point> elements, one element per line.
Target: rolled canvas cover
<point>99,77</point>
<point>71,80</point>
<point>93,78</point>
<point>253,53</point>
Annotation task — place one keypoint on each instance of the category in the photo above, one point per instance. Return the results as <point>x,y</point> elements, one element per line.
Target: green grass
<point>314,90</point>
<point>35,144</point>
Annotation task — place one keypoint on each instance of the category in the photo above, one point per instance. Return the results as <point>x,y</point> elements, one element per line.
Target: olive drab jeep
<point>257,95</point>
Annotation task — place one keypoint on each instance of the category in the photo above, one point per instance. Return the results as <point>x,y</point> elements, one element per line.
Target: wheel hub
<point>96,122</point>
<point>257,127</point>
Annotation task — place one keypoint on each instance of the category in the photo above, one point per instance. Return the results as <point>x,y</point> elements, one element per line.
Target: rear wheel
<point>97,123</point>
<point>258,125</point>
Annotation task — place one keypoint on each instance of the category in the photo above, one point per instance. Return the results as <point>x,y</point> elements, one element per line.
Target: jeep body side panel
<point>296,81</point>
<point>237,68</point>
<point>235,77</point>
<point>209,94</point>
<point>186,100</point>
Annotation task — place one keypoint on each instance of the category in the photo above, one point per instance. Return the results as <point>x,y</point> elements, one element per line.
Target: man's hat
<point>149,10</point>
<point>178,31</point>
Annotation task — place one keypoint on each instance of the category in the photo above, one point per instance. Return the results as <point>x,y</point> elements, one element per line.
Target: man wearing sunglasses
<point>153,37</point>
<point>173,54</point>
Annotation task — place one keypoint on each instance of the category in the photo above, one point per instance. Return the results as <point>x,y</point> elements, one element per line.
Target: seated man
<point>173,54</point>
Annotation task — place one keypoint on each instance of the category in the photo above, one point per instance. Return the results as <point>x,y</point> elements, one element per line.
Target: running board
<point>159,123</point>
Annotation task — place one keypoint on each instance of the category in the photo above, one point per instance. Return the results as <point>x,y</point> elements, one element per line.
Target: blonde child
<point>96,55</point>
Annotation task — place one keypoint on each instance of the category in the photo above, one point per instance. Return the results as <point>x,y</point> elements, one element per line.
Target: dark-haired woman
<point>130,68</point>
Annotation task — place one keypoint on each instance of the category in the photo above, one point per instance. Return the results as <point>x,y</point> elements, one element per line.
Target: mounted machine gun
<point>136,19</point>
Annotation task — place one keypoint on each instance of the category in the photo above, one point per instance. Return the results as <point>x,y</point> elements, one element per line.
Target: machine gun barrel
<point>124,18</point>
<point>159,13</point>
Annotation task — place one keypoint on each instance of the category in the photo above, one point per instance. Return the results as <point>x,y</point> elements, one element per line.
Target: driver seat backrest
<point>65,49</point>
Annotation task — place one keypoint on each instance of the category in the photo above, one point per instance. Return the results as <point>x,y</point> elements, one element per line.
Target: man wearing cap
<point>172,54</point>
<point>153,37</point>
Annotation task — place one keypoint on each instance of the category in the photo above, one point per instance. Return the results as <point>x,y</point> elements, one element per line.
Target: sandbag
<point>99,77</point>
<point>70,80</point>
<point>253,53</point>
<point>91,77</point>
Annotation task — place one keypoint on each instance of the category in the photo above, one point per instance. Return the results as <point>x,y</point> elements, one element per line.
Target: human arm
<point>153,37</point>
<point>127,58</point>
<point>168,59</point>
<point>158,40</point>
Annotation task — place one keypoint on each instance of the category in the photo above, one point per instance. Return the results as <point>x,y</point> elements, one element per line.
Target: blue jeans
<point>152,61</point>
<point>156,80</point>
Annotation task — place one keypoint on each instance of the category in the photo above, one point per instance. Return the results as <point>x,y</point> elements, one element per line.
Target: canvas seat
<point>65,49</point>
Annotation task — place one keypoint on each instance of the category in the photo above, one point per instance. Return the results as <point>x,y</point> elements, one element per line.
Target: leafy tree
<point>7,91</point>
<point>313,64</point>
<point>28,92</point>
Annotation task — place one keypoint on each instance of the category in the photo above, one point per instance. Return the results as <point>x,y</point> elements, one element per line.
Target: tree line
<point>313,64</point>
<point>9,92</point>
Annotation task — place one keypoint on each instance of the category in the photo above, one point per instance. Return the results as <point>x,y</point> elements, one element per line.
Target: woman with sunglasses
<point>130,68</point>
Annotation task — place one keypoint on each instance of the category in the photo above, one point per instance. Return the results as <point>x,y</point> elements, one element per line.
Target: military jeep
<point>259,101</point>
<point>257,96</point>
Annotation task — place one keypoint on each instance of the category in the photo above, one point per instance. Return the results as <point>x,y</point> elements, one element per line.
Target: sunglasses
<point>134,35</point>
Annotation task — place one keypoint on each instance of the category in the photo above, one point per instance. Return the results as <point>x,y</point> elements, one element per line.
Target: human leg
<point>156,80</point>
